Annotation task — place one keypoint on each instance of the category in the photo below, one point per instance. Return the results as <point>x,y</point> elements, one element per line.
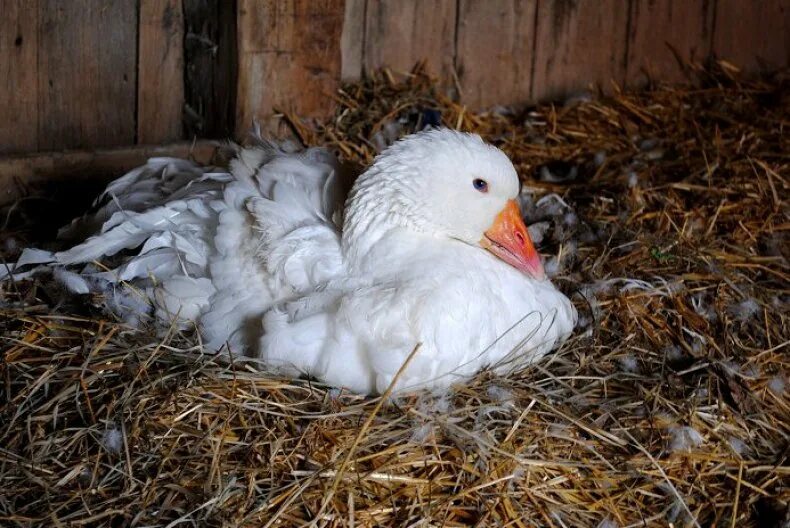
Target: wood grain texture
<point>25,174</point>
<point>160,71</point>
<point>754,35</point>
<point>289,58</point>
<point>495,51</point>
<point>663,31</point>
<point>352,40</point>
<point>579,43</point>
<point>87,76</point>
<point>18,75</point>
<point>210,60</point>
<point>399,34</point>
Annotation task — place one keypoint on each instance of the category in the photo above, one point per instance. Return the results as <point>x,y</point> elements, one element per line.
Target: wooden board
<point>579,43</point>
<point>399,34</point>
<point>663,31</point>
<point>753,35</point>
<point>86,73</point>
<point>289,58</point>
<point>495,51</point>
<point>18,75</point>
<point>209,68</point>
<point>160,71</point>
<point>21,175</point>
<point>352,40</point>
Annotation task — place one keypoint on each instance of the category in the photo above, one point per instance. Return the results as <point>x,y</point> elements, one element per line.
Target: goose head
<point>446,184</point>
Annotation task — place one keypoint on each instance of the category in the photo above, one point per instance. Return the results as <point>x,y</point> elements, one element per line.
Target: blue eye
<point>480,185</point>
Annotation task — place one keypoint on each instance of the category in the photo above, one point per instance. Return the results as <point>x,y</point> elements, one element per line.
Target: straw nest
<point>666,221</point>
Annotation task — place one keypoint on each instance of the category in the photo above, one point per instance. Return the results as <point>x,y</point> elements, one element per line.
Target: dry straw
<point>669,406</point>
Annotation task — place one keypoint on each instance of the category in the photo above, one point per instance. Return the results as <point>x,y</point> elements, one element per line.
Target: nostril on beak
<point>520,238</point>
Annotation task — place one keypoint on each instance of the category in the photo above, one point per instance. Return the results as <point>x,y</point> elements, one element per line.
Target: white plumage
<point>256,257</point>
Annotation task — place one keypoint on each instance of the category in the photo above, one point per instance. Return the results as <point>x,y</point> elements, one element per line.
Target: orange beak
<point>509,240</point>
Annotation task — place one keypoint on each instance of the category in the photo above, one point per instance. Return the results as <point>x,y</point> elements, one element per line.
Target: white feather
<point>72,281</point>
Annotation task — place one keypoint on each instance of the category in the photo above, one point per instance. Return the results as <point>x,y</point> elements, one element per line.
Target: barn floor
<point>666,219</point>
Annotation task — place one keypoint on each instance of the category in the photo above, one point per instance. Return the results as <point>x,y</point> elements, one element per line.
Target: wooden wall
<point>517,51</point>
<point>85,74</point>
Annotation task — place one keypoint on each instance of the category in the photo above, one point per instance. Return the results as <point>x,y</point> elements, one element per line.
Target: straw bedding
<point>669,406</point>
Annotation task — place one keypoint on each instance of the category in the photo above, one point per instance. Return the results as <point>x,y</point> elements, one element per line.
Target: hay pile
<point>669,406</point>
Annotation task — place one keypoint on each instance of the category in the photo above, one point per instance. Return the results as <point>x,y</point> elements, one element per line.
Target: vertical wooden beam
<point>87,76</point>
<point>352,40</point>
<point>289,58</point>
<point>579,43</point>
<point>398,34</point>
<point>495,51</point>
<point>659,30</point>
<point>210,60</point>
<point>160,71</point>
<point>226,77</point>
<point>753,35</point>
<point>19,76</point>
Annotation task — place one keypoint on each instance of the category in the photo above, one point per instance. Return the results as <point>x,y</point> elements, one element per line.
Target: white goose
<point>432,251</point>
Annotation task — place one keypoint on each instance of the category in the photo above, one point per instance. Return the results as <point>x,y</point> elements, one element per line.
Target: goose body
<point>429,250</point>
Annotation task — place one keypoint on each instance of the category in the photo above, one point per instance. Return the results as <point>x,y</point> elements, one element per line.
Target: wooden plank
<point>494,54</point>
<point>18,75</point>
<point>398,34</point>
<point>352,40</point>
<point>87,76</point>
<point>160,71</point>
<point>579,43</point>
<point>753,35</point>
<point>210,67</point>
<point>661,31</point>
<point>21,175</point>
<point>226,77</point>
<point>289,58</point>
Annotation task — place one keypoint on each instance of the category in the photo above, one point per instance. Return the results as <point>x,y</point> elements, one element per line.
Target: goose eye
<point>480,185</point>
